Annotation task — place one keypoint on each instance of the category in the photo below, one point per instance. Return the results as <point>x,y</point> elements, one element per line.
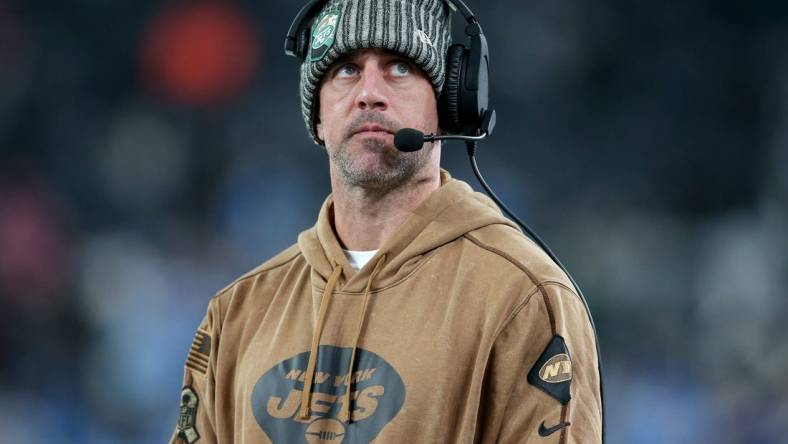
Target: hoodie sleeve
<point>542,384</point>
<point>196,418</point>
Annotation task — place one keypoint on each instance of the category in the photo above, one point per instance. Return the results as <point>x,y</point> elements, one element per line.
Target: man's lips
<point>372,130</point>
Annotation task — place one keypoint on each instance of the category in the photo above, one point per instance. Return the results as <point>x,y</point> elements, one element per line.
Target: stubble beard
<point>394,169</point>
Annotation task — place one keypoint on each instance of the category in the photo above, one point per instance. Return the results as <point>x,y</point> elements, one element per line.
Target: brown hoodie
<point>459,330</point>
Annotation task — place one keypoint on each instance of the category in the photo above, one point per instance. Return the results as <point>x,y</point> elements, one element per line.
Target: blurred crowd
<point>150,152</point>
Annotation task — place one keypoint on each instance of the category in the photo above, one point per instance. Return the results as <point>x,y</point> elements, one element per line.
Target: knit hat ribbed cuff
<point>417,29</point>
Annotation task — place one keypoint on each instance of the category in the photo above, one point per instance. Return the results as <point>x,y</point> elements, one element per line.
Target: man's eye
<point>400,69</point>
<point>346,71</point>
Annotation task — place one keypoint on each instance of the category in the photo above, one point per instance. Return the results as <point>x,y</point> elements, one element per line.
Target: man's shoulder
<point>273,265</point>
<point>510,246</point>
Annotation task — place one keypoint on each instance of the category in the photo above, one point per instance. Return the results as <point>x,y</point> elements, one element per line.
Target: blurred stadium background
<point>152,151</point>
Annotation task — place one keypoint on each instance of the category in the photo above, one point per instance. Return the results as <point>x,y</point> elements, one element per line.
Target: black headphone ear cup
<point>302,43</point>
<point>450,98</point>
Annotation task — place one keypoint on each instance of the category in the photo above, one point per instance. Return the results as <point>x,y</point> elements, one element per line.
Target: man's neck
<point>364,219</point>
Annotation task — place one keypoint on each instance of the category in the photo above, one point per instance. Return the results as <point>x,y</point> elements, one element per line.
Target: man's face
<point>365,98</point>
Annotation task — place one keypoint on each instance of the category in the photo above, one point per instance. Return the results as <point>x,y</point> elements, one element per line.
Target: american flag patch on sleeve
<point>199,352</point>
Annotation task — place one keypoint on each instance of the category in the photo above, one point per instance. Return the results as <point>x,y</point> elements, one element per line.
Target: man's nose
<point>373,94</point>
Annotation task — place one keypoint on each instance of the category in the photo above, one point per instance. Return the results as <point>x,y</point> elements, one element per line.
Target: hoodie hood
<point>447,214</point>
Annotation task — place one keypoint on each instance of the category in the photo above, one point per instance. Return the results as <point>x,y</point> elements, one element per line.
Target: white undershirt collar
<point>358,259</point>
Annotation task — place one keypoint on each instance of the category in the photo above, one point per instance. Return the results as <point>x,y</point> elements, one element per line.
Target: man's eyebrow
<point>342,60</point>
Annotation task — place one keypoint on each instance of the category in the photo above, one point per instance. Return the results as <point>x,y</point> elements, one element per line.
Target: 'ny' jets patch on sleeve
<point>553,370</point>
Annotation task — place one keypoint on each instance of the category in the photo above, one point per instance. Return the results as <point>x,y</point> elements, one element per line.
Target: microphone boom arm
<point>434,137</point>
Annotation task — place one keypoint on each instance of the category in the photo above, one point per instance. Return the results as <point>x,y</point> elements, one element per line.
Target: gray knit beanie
<point>417,29</point>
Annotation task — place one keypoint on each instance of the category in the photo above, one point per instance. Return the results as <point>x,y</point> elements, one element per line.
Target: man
<point>413,310</point>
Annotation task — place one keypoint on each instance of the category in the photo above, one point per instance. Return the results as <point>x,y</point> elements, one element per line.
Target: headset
<point>463,108</point>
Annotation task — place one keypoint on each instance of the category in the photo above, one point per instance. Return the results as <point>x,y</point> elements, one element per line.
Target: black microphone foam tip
<point>408,140</point>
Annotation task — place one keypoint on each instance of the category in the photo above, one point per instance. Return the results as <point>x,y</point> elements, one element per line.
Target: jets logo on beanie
<point>418,29</point>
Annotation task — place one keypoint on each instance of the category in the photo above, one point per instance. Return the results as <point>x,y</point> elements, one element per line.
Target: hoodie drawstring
<point>345,414</point>
<point>306,392</point>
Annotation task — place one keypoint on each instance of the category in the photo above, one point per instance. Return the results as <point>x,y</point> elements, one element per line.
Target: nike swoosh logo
<point>549,431</point>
